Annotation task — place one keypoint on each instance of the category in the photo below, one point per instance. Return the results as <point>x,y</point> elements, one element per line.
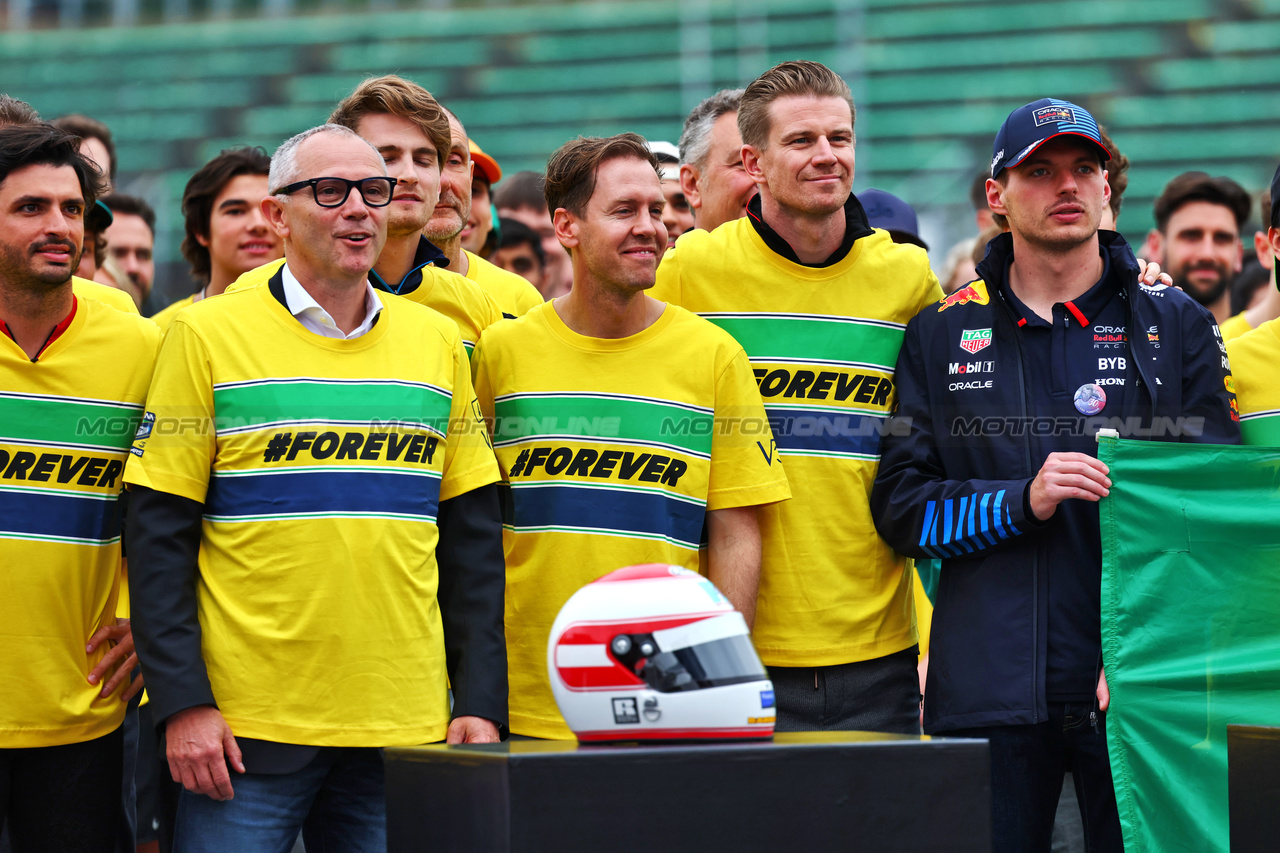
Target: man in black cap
<point>989,465</point>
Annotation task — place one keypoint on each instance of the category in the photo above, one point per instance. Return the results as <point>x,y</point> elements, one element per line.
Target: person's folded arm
<point>472,586</point>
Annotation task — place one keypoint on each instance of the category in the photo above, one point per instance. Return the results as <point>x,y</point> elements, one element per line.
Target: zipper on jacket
<point>1138,358</point>
<point>1035,553</point>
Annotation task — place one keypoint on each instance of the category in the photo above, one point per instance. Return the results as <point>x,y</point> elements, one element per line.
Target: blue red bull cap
<point>1029,127</point>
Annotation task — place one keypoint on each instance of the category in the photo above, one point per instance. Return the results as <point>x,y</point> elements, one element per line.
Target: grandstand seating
<point>1180,83</point>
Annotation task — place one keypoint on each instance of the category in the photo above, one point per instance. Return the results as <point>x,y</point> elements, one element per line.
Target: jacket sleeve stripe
<point>998,512</point>
<point>966,527</point>
<point>986,528</point>
<point>1008,519</point>
<point>930,510</point>
<point>960,537</point>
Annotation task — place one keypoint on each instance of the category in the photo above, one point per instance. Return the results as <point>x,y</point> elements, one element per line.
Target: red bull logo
<point>1045,115</point>
<point>975,292</point>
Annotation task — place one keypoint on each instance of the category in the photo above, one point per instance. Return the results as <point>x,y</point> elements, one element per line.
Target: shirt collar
<point>856,226</point>
<point>1085,308</point>
<point>63,325</point>
<point>427,254</point>
<point>304,307</point>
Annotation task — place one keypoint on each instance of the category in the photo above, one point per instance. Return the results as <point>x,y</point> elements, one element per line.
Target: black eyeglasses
<point>333,192</point>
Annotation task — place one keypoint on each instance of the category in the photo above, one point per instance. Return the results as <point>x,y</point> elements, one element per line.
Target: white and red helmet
<point>656,652</point>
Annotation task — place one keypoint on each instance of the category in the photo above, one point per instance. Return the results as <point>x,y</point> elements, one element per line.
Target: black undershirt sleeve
<point>471,593</point>
<point>162,533</point>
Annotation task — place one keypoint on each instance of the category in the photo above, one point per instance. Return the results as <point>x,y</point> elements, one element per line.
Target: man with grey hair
<point>315,531</point>
<point>458,178</point>
<point>711,174</point>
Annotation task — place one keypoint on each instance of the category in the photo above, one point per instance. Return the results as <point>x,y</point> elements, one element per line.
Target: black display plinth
<point>1253,788</point>
<point>811,791</point>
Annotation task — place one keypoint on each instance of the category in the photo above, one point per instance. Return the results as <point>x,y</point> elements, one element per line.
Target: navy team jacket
<point>957,463</point>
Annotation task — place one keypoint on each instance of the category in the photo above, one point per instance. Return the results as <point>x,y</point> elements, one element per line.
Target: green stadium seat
<point>1180,83</point>
<point>1233,36</point>
<point>282,122</point>
<point>1022,86</point>
<point>1183,112</point>
<point>1082,16</point>
<point>327,89</point>
<point>1214,73</point>
<point>399,55</point>
<point>988,55</point>
<point>559,48</point>
<point>209,148</point>
<point>562,109</point>
<point>627,73</point>
<point>1199,145</point>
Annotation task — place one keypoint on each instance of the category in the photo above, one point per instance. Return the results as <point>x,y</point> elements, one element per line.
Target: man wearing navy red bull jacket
<point>1001,389</point>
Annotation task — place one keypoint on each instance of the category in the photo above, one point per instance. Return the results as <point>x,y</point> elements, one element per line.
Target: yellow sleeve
<point>1234,327</point>
<point>469,462</point>
<point>117,299</point>
<point>527,298</point>
<point>667,286</point>
<point>931,288</point>
<point>924,609</point>
<point>745,468</point>
<point>176,442</point>
<point>164,317</point>
<point>483,384</point>
<point>494,312</point>
<point>255,276</point>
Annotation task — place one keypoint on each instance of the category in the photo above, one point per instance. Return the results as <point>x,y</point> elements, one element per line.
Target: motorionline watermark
<point>805,425</point>
<point>1132,427</point>
<point>205,426</point>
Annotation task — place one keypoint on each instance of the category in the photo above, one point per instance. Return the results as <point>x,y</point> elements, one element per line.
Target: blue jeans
<point>1027,768</point>
<point>341,788</point>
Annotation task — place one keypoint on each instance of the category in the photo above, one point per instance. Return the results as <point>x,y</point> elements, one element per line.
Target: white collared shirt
<point>309,313</point>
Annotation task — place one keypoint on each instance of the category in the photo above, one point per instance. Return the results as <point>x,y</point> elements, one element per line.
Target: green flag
<point>1190,629</point>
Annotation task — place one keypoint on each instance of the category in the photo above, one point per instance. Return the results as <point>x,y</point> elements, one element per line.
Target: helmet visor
<point>710,653</point>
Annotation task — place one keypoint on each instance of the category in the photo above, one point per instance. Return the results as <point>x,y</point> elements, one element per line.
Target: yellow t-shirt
<point>823,344</point>
<point>1255,361</point>
<point>117,299</point>
<point>1234,327</point>
<point>66,421</point>
<point>614,450</point>
<point>513,293</point>
<point>456,297</point>
<point>164,316</point>
<point>321,464</point>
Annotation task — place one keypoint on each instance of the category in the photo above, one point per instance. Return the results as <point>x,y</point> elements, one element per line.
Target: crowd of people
<point>333,500</point>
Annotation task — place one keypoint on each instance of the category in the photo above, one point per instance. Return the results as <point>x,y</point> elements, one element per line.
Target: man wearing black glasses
<point>315,529</point>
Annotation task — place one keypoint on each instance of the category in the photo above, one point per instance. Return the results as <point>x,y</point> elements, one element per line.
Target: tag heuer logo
<point>972,340</point>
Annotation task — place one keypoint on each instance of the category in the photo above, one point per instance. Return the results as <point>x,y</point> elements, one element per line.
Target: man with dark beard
<point>73,376</point>
<point>1197,236</point>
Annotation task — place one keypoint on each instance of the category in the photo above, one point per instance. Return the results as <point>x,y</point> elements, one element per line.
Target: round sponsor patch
<point>1090,399</point>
